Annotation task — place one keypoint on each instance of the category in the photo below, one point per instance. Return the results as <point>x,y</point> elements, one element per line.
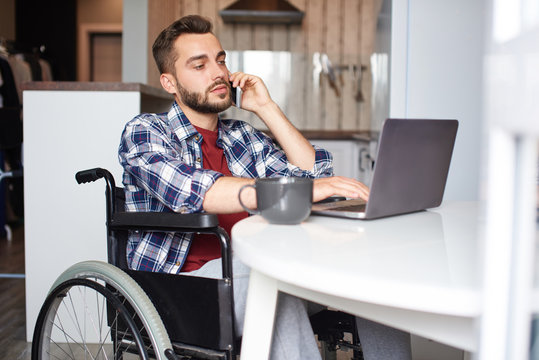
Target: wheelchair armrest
<point>158,221</point>
<point>163,221</point>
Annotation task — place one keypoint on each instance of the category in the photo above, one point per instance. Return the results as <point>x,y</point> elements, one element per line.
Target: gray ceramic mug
<point>284,200</point>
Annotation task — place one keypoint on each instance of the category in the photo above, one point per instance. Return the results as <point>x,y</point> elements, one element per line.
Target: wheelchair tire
<point>122,286</point>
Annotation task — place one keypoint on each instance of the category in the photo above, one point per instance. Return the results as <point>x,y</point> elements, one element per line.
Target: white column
<point>135,41</point>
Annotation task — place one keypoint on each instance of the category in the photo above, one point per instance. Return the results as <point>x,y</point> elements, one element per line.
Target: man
<point>189,160</point>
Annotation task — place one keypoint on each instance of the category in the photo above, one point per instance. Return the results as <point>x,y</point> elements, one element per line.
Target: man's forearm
<point>222,196</point>
<point>299,150</point>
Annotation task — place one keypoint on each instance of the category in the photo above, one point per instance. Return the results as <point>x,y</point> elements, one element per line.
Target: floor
<point>13,345</point>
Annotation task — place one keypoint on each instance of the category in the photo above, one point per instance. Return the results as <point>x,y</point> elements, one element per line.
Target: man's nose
<point>219,71</point>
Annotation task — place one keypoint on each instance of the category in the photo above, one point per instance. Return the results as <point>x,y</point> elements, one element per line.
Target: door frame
<point>84,50</point>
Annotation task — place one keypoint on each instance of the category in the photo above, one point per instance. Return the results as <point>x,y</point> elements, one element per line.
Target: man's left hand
<point>255,94</point>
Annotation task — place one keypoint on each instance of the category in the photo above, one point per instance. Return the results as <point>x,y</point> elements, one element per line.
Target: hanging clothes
<point>21,72</point>
<point>19,63</point>
<point>35,69</point>
<point>11,134</point>
<point>46,70</point>
<point>8,89</point>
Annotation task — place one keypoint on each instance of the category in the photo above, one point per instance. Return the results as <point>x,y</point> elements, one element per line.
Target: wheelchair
<point>98,310</point>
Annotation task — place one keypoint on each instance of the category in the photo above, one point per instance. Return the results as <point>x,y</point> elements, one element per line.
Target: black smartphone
<point>236,95</point>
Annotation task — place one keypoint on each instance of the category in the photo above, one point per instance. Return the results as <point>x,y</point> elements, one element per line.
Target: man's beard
<point>200,102</point>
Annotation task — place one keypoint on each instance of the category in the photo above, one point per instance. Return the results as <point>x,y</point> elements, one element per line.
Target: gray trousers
<point>293,337</point>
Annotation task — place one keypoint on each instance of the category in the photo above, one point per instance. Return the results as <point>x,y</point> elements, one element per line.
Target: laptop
<point>410,171</point>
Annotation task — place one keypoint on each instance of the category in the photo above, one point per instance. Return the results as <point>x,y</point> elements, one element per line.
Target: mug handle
<point>252,212</point>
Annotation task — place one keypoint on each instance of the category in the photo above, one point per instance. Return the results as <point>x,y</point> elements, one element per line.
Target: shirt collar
<point>183,128</point>
<point>179,123</point>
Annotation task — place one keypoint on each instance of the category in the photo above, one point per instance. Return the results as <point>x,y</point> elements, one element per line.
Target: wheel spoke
<point>97,330</point>
<point>59,347</point>
<point>68,342</point>
<point>64,333</point>
<point>87,317</point>
<point>73,316</point>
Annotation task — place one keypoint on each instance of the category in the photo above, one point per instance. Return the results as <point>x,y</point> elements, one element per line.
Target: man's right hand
<point>339,186</point>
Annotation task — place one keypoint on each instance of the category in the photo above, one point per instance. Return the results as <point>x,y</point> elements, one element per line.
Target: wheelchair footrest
<point>327,323</point>
<point>196,352</point>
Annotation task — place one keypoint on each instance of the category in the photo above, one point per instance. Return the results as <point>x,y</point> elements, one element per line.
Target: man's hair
<point>163,47</point>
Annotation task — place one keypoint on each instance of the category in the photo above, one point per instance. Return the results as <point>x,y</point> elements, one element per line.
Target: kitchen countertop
<point>364,135</point>
<point>358,135</point>
<point>96,86</point>
<point>146,90</point>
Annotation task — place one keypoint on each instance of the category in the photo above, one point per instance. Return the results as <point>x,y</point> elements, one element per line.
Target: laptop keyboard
<point>351,208</point>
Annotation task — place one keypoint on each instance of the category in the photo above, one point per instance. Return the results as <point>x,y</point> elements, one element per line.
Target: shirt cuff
<point>201,181</point>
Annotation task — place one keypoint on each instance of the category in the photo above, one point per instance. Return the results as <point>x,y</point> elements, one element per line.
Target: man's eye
<point>199,67</point>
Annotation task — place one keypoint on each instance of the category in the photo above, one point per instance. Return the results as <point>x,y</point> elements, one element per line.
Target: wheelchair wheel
<point>96,311</point>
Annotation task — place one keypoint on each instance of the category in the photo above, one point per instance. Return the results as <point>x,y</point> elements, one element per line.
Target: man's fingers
<point>340,186</point>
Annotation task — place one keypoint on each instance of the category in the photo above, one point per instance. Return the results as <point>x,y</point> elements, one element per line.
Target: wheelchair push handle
<point>90,175</point>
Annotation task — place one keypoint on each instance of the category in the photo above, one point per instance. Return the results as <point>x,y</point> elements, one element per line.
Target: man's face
<point>201,73</point>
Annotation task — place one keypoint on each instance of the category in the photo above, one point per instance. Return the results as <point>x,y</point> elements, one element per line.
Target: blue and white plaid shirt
<point>162,159</point>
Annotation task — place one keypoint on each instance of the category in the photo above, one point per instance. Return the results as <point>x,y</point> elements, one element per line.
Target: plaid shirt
<point>162,160</point>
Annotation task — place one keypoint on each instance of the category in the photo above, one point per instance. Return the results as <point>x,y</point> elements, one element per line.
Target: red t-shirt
<point>206,247</point>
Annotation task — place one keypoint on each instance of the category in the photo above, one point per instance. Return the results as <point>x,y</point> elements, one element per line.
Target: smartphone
<point>236,95</point>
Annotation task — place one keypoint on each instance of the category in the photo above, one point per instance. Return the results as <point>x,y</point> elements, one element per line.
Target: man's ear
<point>168,83</point>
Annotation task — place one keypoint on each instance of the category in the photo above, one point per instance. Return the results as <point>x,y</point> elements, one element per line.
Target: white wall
<point>436,72</point>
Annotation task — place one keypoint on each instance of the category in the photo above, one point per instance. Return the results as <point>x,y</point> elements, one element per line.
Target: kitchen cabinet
<point>352,158</point>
